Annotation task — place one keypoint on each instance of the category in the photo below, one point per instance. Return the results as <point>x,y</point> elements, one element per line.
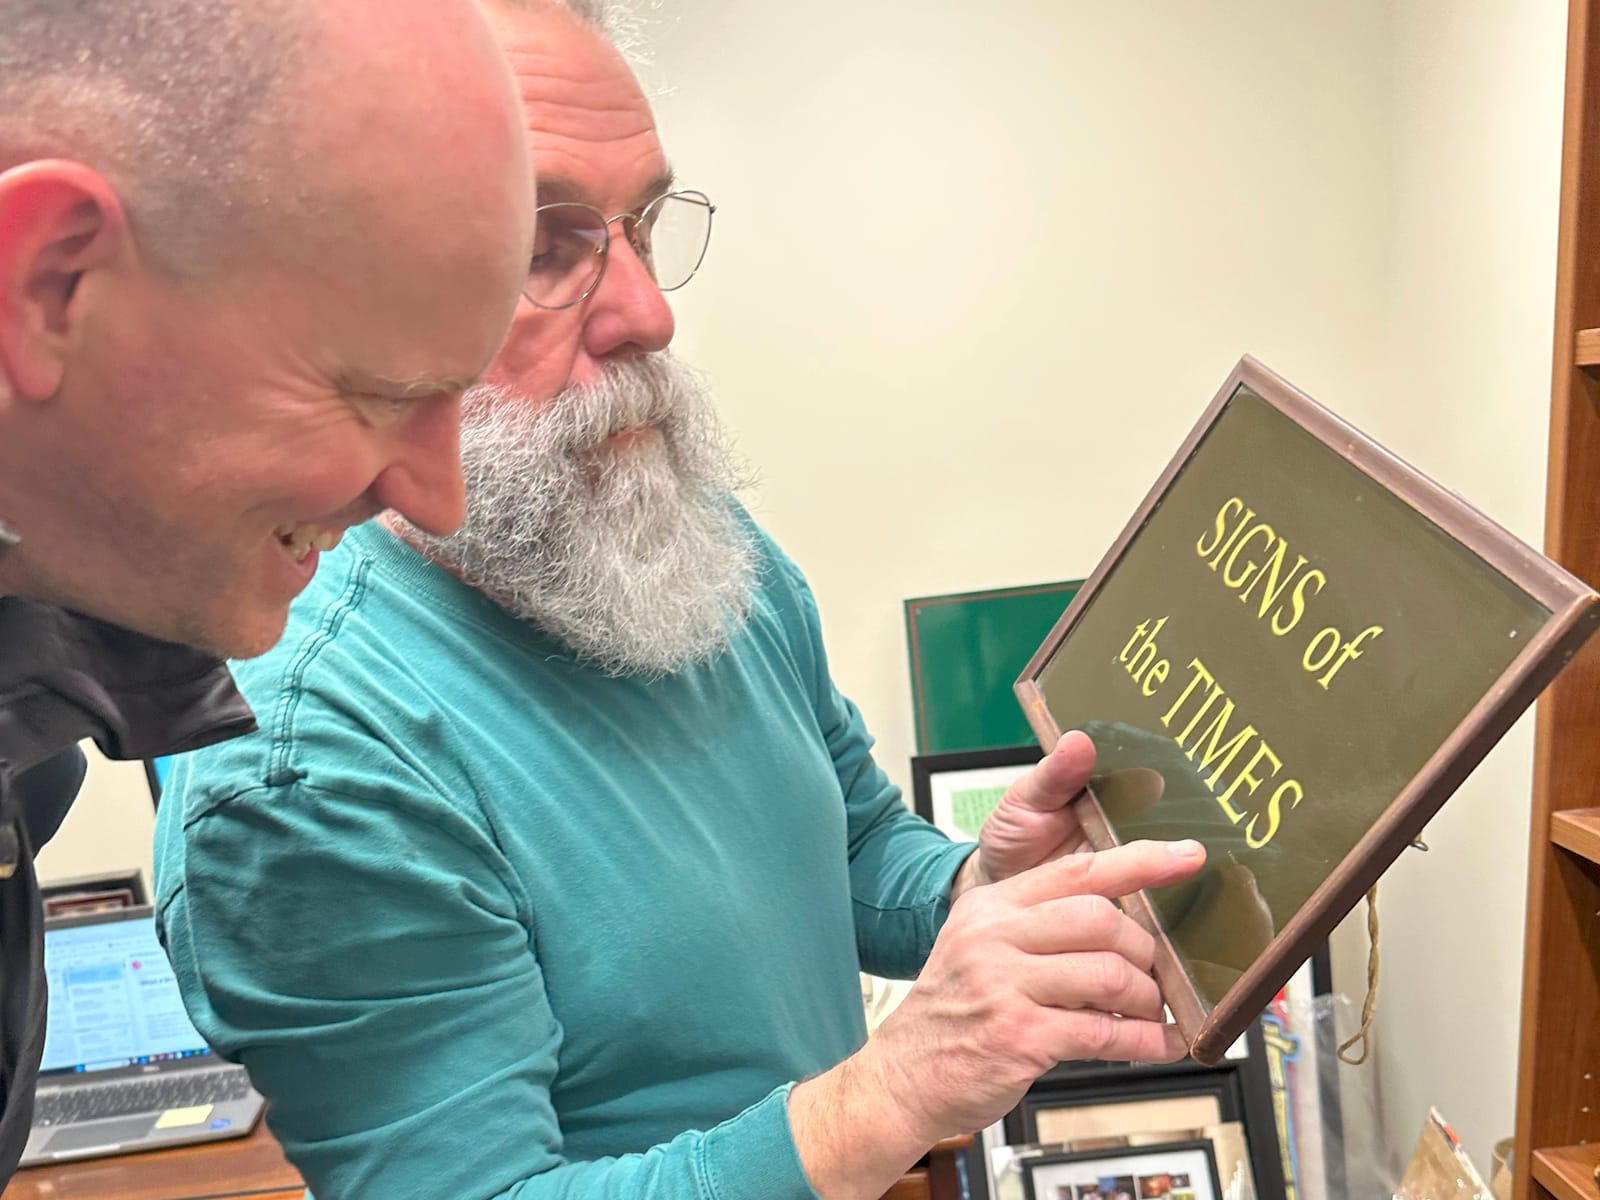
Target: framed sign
<point>1296,650</point>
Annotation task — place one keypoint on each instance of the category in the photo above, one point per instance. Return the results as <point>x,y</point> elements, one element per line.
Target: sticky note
<point>180,1118</point>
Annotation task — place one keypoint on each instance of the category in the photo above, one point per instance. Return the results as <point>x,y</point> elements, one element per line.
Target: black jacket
<point>64,678</point>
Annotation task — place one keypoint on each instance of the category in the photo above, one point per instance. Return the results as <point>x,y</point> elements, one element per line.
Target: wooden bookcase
<point>1558,1088</point>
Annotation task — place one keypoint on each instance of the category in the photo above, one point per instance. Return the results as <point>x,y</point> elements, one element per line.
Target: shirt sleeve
<point>901,867</point>
<point>367,955</point>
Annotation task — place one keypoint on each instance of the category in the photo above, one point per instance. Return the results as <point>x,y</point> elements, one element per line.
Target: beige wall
<point>978,267</point>
<point>108,830</point>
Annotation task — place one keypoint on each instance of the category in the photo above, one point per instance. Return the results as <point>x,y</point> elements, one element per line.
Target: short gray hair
<point>621,22</point>
<point>165,98</point>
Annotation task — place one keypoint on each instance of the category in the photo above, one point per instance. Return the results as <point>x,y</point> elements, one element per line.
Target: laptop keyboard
<point>182,1089</point>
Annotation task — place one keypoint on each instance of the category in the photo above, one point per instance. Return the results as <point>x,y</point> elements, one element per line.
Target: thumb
<point>1057,779</point>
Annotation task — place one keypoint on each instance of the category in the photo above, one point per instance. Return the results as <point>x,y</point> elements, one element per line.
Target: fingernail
<point>1186,849</point>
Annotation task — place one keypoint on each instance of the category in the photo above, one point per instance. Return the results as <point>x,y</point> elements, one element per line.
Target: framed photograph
<point>1067,1107</point>
<point>93,893</point>
<point>1296,650</point>
<point>957,791</point>
<point>1171,1171</point>
<point>965,650</point>
<point>1126,1118</point>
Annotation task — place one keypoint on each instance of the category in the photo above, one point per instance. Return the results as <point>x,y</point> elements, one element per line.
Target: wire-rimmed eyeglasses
<point>669,235</point>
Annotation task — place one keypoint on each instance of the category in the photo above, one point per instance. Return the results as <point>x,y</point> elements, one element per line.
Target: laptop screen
<point>113,999</point>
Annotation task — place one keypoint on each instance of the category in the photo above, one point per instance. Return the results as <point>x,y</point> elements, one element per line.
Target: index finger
<point>1120,871</point>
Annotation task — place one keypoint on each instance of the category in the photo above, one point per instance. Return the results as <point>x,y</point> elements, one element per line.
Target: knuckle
<point>1105,975</point>
<point>1099,918</point>
<point>1076,872</point>
<point>1098,1034</point>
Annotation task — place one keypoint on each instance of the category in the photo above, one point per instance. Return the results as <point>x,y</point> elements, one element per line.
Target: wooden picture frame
<point>1078,1175</point>
<point>1474,624</point>
<point>942,785</point>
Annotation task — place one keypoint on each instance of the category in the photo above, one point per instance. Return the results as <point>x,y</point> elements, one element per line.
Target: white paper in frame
<point>962,799</point>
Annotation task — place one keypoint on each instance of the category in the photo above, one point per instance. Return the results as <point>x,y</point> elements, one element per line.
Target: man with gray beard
<point>596,848</point>
<point>636,562</point>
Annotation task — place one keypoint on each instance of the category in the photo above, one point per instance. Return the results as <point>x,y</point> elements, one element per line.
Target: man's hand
<point>1034,822</point>
<point>1037,969</point>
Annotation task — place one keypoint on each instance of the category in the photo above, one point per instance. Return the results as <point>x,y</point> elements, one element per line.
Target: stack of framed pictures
<point>1085,1129</point>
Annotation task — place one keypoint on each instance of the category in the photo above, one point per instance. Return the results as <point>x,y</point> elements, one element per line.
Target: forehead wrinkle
<point>572,158</point>
<point>563,118</point>
<point>557,84</point>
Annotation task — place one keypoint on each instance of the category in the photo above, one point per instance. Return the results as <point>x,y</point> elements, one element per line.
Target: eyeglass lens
<point>670,236</point>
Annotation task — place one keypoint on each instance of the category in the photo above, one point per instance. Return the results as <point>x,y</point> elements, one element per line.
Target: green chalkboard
<point>966,650</point>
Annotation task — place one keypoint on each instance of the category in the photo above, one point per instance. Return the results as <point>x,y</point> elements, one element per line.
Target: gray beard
<point>632,558</point>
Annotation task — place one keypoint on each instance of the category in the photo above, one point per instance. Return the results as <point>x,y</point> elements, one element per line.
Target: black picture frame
<point>1206,1151</point>
<point>1241,1086</point>
<point>927,768</point>
<point>1178,1082</point>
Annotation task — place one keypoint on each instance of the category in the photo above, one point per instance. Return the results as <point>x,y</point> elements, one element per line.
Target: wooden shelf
<point>1586,348</point>
<point>1568,1171</point>
<point>1558,1092</point>
<point>1578,830</point>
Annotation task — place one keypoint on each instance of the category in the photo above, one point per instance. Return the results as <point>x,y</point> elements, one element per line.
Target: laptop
<point>123,1068</point>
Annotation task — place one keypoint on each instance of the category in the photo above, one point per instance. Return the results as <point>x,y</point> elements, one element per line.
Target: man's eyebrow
<point>415,388</point>
<point>559,189</point>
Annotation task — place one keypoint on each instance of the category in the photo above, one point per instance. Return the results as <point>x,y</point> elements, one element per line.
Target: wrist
<point>968,876</point>
<point>854,1138</point>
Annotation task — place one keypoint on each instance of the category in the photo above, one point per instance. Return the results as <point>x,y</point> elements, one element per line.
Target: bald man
<point>251,253</point>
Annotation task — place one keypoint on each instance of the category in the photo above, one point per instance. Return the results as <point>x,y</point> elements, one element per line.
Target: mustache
<point>649,390</point>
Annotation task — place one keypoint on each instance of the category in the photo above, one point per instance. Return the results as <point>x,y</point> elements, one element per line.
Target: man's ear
<point>58,221</point>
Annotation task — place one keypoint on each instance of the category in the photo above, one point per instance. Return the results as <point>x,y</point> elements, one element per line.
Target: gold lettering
<point>1157,676</point>
<point>1225,751</point>
<point>1297,600</point>
<point>1351,649</point>
<point>1244,521</point>
<point>1313,653</point>
<point>1271,572</point>
<point>1200,673</point>
<point>1251,567</point>
<point>1274,813</point>
<point>1222,527</point>
<point>1248,774</point>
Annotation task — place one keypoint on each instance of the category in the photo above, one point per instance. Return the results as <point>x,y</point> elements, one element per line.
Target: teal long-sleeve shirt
<point>483,922</point>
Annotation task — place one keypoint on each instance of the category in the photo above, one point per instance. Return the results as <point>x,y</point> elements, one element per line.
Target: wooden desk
<point>252,1166</point>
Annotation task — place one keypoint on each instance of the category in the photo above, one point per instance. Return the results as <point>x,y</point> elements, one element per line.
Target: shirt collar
<point>65,677</point>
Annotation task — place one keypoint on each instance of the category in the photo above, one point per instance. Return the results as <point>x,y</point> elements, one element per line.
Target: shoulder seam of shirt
<point>279,768</point>
<point>516,894</point>
<point>472,615</point>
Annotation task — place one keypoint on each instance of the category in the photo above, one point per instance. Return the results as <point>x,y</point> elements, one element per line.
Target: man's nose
<point>422,481</point>
<point>628,313</point>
